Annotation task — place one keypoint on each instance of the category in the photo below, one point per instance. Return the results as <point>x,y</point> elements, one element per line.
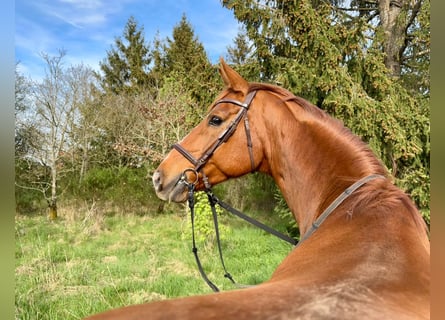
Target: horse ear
<point>232,79</point>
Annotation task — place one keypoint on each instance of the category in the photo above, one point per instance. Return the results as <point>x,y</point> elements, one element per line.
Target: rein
<point>342,197</point>
<point>213,201</point>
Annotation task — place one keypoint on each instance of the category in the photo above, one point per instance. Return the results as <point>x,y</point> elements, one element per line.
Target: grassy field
<point>74,267</point>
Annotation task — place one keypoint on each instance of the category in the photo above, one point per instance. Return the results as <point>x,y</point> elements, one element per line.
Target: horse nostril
<point>157,180</point>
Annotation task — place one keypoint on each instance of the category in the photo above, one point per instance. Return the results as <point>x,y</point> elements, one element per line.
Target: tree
<point>393,23</point>
<point>240,52</point>
<point>184,57</point>
<point>27,172</point>
<point>397,22</point>
<point>127,65</point>
<point>400,28</point>
<point>126,80</point>
<point>23,132</point>
<point>171,117</point>
<point>123,129</point>
<point>53,114</point>
<point>85,127</point>
<point>339,59</point>
<point>243,57</point>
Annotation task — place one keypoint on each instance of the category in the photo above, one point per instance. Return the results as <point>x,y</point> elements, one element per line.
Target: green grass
<point>71,268</point>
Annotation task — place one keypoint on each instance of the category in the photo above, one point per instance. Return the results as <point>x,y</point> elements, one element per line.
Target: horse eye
<point>215,121</point>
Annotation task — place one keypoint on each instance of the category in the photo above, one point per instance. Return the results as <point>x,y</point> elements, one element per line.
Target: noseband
<point>225,135</point>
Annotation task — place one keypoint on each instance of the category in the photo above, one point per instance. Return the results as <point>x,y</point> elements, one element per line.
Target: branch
<point>414,13</point>
<point>356,9</point>
<point>417,55</point>
<point>372,16</point>
<point>33,188</point>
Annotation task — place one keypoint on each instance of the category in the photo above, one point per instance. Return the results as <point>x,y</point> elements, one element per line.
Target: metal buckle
<point>184,178</point>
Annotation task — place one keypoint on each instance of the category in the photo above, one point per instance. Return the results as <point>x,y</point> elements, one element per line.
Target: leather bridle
<point>213,200</point>
<point>224,136</point>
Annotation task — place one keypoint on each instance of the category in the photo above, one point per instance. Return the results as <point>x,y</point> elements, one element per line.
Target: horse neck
<point>314,159</point>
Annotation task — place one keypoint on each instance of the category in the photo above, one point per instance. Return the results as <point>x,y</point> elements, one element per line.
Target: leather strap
<point>225,135</point>
<point>342,197</point>
<point>251,220</point>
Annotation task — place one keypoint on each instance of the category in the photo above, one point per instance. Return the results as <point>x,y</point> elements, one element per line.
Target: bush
<point>29,201</point>
<point>126,188</point>
<point>204,225</point>
<point>31,180</point>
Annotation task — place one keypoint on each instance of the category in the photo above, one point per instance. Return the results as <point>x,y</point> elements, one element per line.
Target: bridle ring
<point>184,176</point>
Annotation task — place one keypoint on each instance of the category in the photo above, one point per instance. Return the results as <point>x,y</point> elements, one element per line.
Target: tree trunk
<point>393,33</point>
<point>53,201</point>
<point>84,164</point>
<point>52,215</point>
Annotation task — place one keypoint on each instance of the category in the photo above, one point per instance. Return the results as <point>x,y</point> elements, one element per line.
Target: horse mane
<point>365,157</point>
<point>394,197</point>
<point>287,96</point>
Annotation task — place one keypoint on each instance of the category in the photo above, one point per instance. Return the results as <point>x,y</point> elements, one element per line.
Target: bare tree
<point>56,100</point>
<point>141,127</point>
<point>86,117</point>
<point>169,117</point>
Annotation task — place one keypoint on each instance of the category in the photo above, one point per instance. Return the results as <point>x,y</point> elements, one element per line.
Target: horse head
<point>217,148</point>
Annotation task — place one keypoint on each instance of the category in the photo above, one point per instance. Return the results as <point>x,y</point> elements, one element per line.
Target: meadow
<point>86,262</point>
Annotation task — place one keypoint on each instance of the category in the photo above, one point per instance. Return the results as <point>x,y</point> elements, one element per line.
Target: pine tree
<point>339,61</point>
<point>240,52</point>
<point>126,68</point>
<point>183,58</point>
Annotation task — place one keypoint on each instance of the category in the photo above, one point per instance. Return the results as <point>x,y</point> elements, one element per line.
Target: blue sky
<point>86,29</point>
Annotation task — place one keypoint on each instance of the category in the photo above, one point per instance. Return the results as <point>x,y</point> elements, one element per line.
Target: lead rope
<point>213,201</point>
<point>254,222</point>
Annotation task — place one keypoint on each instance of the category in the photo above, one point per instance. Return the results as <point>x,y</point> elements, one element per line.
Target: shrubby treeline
<point>93,136</point>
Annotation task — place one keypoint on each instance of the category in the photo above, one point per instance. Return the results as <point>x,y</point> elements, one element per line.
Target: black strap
<point>213,200</point>
<point>250,219</point>
<point>191,201</point>
<point>218,241</point>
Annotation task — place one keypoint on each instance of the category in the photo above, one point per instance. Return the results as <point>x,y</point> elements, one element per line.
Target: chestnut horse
<point>369,259</point>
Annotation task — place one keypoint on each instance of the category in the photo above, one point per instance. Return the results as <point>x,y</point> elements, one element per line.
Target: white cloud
<point>84,4</point>
<point>72,13</point>
<point>87,28</point>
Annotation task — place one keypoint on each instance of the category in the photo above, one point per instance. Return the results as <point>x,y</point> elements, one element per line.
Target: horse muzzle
<point>174,189</point>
